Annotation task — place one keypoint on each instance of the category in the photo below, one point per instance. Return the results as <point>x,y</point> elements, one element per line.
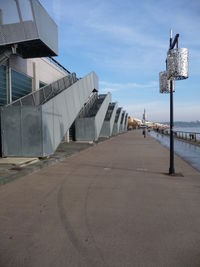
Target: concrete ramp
<point>34,125</point>
<point>116,126</point>
<point>107,128</point>
<point>88,125</point>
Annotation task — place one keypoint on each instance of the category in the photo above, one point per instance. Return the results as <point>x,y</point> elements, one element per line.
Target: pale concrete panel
<point>88,128</point>
<point>117,123</point>
<point>122,123</point>
<point>107,128</point>
<point>60,112</point>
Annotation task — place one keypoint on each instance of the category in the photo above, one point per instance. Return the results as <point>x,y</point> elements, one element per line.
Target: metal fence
<point>190,136</point>
<point>184,135</point>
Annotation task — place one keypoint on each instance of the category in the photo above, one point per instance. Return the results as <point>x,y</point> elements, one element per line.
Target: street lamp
<point>176,69</point>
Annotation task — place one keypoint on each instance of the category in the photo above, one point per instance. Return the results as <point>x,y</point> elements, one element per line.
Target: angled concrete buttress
<point>33,126</point>
<point>88,125</point>
<point>122,123</point>
<point>117,121</point>
<point>126,123</point>
<point>107,128</point>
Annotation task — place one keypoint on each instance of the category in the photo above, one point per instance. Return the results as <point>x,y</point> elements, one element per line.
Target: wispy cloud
<point>113,87</point>
<point>126,42</point>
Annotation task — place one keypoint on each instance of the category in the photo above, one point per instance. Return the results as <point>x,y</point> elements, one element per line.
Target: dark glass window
<point>21,85</point>
<point>3,99</point>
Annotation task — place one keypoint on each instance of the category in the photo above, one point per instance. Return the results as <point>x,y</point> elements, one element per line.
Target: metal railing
<point>190,136</point>
<point>46,92</point>
<point>85,109</point>
<point>95,108</point>
<point>183,135</point>
<point>110,111</point>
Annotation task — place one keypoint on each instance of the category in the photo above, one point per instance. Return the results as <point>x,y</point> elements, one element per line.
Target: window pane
<point>21,85</point>
<point>25,7</point>
<point>2,85</point>
<point>8,12</point>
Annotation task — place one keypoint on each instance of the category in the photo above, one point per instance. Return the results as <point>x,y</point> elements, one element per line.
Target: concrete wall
<point>99,119</point>
<point>88,128</point>
<point>117,124</point>
<point>60,112</point>
<point>121,128</point>
<point>107,128</point>
<point>126,123</point>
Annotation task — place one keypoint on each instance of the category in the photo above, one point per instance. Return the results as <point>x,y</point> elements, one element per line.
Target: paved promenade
<point>110,205</point>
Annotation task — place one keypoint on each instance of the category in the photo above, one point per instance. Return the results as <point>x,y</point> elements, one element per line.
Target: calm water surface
<point>188,129</point>
<point>189,152</point>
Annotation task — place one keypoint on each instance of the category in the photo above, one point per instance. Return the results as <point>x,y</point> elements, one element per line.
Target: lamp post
<point>176,69</point>
<point>171,165</point>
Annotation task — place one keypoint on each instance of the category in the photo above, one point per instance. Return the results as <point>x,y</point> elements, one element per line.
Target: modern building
<point>40,99</point>
<point>27,33</point>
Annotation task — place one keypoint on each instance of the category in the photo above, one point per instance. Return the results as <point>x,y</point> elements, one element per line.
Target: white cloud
<point>127,41</point>
<point>113,87</point>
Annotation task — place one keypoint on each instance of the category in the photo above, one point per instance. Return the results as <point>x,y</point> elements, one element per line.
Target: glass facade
<point>21,85</point>
<point>2,85</point>
<point>8,12</point>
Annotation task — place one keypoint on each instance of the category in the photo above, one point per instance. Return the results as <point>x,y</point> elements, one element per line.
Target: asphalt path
<point>112,204</point>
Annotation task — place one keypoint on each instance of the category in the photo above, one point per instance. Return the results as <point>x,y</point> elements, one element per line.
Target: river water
<point>189,152</point>
<point>188,129</point>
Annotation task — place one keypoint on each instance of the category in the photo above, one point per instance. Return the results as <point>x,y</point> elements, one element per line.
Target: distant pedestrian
<point>144,133</point>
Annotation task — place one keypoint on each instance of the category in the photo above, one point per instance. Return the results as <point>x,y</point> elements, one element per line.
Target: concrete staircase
<point>34,126</point>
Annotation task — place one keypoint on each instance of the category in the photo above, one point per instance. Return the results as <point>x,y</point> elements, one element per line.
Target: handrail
<point>54,88</point>
<point>184,135</point>
<point>88,105</point>
<point>187,132</point>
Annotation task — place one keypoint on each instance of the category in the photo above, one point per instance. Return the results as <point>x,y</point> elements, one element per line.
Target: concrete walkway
<point>109,205</point>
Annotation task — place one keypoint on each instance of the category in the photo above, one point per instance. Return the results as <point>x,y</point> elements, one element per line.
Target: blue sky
<point>125,43</point>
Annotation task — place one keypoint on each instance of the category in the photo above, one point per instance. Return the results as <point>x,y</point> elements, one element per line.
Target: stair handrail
<point>54,92</point>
